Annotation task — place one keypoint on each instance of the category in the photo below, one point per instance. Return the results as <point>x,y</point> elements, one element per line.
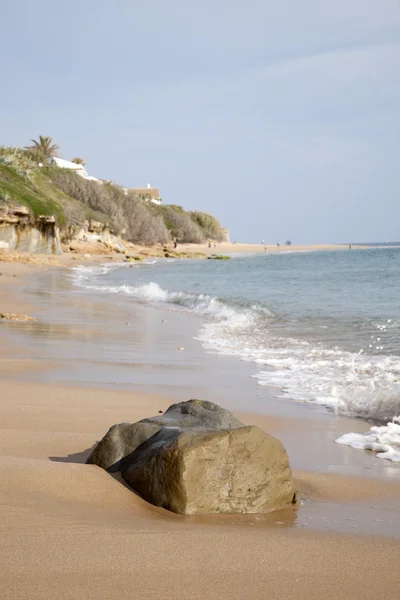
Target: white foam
<point>363,385</point>
<point>200,303</point>
<point>352,384</point>
<point>384,440</point>
<point>83,273</point>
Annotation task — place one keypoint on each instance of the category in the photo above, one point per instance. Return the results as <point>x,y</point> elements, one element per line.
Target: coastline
<point>51,502</point>
<point>235,248</point>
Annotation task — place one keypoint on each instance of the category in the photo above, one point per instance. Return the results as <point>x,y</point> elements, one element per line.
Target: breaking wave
<point>359,384</point>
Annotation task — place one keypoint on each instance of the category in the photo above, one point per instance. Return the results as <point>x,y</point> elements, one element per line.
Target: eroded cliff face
<point>96,237</point>
<point>20,231</point>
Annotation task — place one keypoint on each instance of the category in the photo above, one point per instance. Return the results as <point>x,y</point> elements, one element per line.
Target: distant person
<point>262,243</point>
<point>175,242</point>
<point>209,243</point>
<point>349,246</point>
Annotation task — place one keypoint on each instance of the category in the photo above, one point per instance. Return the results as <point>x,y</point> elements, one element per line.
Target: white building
<point>148,193</point>
<point>79,169</point>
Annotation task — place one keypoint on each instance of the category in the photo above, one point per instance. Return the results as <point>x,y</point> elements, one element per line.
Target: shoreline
<point>90,253</point>
<point>236,248</point>
<point>50,500</point>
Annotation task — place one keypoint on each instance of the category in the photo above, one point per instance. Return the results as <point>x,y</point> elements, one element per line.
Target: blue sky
<point>281,118</point>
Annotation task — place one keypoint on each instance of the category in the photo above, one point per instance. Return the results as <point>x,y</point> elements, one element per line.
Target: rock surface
<point>197,458</point>
<point>16,317</point>
<point>19,230</point>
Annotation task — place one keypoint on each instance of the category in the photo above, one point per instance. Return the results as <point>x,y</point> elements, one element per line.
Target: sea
<point>322,328</point>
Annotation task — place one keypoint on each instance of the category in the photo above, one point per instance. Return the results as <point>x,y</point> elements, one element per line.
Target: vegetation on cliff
<point>209,225</point>
<point>43,149</point>
<point>72,199</point>
<point>17,189</point>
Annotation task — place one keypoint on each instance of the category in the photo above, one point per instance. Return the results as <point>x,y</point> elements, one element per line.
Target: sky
<point>280,118</point>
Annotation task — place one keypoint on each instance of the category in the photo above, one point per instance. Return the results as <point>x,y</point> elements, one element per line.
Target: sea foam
<point>356,384</point>
<point>384,440</point>
<point>200,303</point>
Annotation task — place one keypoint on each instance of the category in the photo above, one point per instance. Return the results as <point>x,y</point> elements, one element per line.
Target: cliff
<point>19,230</point>
<point>46,208</point>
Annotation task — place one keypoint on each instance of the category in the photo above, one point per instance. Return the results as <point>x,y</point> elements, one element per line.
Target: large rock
<point>122,439</point>
<point>197,458</point>
<point>119,442</point>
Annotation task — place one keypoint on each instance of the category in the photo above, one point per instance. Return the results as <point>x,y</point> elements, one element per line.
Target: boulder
<point>197,458</point>
<point>119,442</point>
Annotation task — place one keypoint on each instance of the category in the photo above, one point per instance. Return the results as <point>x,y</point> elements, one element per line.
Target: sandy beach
<point>234,248</point>
<point>70,530</point>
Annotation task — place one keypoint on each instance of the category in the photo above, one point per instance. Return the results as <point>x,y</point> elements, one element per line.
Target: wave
<point>87,272</point>
<point>355,384</point>
<point>200,303</point>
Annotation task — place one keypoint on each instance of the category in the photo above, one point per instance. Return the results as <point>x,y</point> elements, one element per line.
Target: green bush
<point>18,158</point>
<point>180,225</point>
<point>208,224</point>
<point>17,189</point>
<point>128,214</point>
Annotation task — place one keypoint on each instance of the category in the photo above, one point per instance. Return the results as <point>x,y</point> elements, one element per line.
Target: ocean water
<point>322,327</point>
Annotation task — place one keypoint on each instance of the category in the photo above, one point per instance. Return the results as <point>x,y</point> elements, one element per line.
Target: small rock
<point>16,317</point>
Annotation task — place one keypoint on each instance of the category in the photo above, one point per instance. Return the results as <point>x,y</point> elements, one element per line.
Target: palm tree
<point>79,161</point>
<point>44,149</point>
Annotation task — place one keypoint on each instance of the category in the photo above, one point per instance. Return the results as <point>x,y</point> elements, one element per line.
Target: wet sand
<point>70,530</point>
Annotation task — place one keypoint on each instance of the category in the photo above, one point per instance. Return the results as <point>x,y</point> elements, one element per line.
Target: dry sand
<point>71,531</point>
<point>225,248</point>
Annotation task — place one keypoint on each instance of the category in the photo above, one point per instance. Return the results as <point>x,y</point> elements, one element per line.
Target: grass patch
<point>134,259</point>
<point>17,189</point>
<point>218,257</point>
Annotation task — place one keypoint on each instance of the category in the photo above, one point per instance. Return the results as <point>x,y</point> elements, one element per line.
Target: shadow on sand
<point>76,457</point>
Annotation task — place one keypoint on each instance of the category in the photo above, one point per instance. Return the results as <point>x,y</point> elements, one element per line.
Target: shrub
<point>128,214</point>
<point>90,193</point>
<point>208,224</point>
<point>21,160</point>
<point>142,226</point>
<point>180,225</point>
